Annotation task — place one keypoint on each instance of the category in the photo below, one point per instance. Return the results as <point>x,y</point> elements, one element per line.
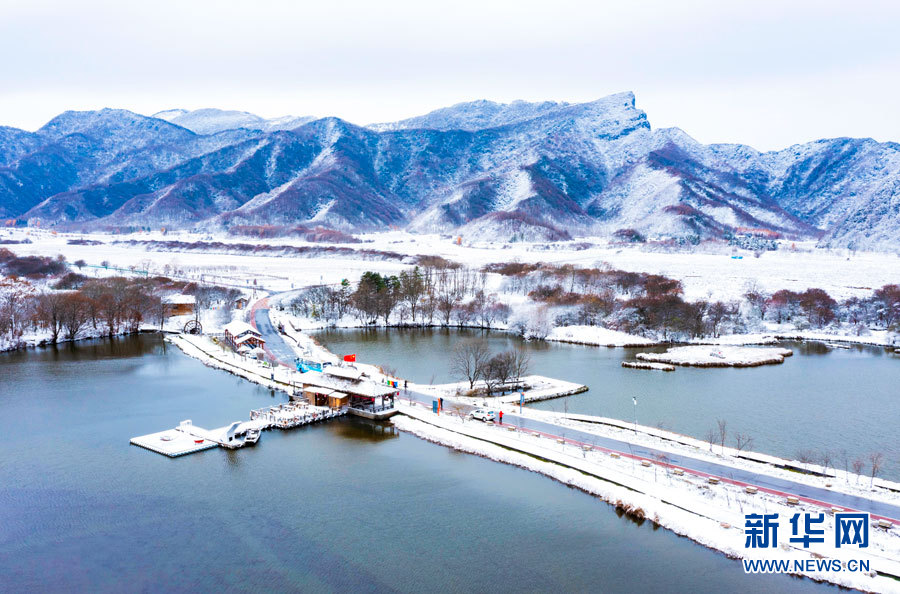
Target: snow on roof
<point>237,327</point>
<point>368,389</point>
<point>343,372</point>
<point>318,390</point>
<point>180,300</point>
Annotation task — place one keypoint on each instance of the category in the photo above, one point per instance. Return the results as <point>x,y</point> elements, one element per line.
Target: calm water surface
<point>819,399</point>
<point>344,506</point>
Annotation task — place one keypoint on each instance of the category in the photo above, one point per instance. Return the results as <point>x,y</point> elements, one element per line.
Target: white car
<point>483,414</point>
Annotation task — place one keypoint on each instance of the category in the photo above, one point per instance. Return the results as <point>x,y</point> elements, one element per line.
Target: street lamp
<point>634,399</point>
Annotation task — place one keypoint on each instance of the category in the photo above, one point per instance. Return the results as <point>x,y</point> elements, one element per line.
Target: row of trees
<point>440,293</point>
<point>105,306</point>
<point>648,304</point>
<point>109,306</point>
<point>32,267</point>
<point>637,303</point>
<point>816,308</point>
<point>717,436</point>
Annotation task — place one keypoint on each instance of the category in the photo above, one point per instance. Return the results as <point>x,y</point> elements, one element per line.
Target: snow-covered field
<point>704,274</point>
<point>597,336</point>
<point>711,274</point>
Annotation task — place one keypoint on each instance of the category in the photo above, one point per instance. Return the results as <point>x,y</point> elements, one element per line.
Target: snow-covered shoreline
<point>724,356</point>
<point>681,504</point>
<point>36,341</point>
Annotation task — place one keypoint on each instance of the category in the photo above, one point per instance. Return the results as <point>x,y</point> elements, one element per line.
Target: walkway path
<point>276,346</point>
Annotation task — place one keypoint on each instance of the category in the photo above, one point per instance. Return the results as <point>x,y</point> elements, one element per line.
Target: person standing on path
<point>501,417</point>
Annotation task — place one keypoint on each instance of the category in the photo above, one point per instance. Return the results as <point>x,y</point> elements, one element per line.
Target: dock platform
<point>378,415</point>
<point>173,443</point>
<point>188,438</point>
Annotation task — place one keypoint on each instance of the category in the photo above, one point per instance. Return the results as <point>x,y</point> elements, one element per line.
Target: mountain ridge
<point>520,169</point>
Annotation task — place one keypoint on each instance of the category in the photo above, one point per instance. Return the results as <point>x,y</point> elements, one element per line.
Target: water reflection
<point>365,430</point>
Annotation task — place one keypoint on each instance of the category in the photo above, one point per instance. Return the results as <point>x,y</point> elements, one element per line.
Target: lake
<point>349,505</point>
<point>820,399</point>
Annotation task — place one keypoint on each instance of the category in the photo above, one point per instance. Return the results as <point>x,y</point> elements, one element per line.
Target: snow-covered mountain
<point>211,121</point>
<point>526,170</point>
<point>473,115</point>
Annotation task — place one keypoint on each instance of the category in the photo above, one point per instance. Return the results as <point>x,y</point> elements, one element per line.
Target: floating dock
<point>645,365</point>
<point>188,438</point>
<point>173,443</point>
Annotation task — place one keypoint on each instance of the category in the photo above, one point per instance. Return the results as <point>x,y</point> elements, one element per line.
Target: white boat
<point>238,434</point>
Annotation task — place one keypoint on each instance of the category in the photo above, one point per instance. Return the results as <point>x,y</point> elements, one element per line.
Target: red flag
<point>350,358</point>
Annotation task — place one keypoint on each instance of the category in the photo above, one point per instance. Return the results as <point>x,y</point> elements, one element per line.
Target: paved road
<point>816,495</point>
<point>275,342</point>
<point>276,346</point>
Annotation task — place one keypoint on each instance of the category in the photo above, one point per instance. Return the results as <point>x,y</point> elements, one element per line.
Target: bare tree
<point>807,457</point>
<point>112,301</point>
<point>499,369</point>
<point>16,307</point>
<point>469,360</point>
<point>460,410</point>
<point>521,363</point>
<point>743,441</point>
<point>49,313</point>
<point>876,460</point>
<point>827,458</point>
<point>858,465</point>
<point>75,314</point>
<point>723,432</point>
<point>411,289</point>
<point>663,460</point>
<point>845,458</point>
<point>539,324</point>
<point>711,436</point>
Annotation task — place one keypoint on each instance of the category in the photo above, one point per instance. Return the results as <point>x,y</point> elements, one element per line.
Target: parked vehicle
<point>483,414</point>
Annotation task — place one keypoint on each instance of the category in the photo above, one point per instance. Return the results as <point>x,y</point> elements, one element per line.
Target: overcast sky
<point>768,74</point>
